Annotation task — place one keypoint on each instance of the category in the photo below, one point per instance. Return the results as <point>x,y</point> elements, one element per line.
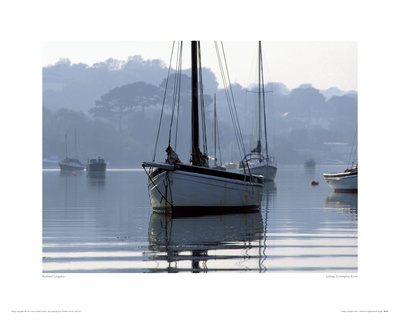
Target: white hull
<point>268,171</point>
<point>265,169</point>
<point>180,189</point>
<point>342,182</point>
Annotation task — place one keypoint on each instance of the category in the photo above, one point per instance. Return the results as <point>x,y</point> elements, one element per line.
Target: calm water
<point>107,225</point>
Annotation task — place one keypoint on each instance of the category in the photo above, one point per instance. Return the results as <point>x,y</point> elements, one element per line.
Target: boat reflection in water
<point>96,179</point>
<point>346,202</point>
<point>207,243</point>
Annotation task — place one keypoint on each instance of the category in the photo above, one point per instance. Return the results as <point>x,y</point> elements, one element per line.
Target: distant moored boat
<point>70,164</point>
<point>96,165</point>
<point>309,163</point>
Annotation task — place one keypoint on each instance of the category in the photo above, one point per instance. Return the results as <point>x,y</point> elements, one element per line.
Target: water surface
<point>106,224</point>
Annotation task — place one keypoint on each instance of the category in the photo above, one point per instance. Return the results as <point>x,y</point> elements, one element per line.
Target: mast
<point>263,99</point>
<point>66,147</point>
<point>75,143</point>
<point>215,129</point>
<point>259,97</point>
<point>195,108</point>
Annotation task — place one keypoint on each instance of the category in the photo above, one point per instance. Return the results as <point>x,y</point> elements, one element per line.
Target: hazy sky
<point>324,64</point>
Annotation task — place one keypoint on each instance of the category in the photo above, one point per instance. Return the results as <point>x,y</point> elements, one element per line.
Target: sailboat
<point>256,161</point>
<point>70,164</point>
<point>196,187</point>
<point>346,181</point>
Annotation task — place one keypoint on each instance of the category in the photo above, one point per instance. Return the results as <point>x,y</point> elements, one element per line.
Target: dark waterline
<point>106,224</point>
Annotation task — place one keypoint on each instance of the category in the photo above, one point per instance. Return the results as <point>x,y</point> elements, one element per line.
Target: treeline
<point>121,122</point>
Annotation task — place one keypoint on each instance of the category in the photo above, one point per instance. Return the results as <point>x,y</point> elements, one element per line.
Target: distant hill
<point>78,86</point>
<point>333,91</point>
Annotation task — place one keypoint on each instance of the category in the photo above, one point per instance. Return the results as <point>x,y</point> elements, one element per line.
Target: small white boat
<point>346,181</point>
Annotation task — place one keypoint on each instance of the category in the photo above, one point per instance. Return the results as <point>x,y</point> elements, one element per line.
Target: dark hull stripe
<point>211,172</point>
<point>198,211</point>
<point>346,190</point>
<point>96,167</point>
<point>71,168</point>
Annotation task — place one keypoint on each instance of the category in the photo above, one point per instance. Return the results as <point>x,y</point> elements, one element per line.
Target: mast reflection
<point>192,243</point>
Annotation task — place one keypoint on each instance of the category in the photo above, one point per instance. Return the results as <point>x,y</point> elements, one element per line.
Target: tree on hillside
<point>56,125</point>
<point>343,106</point>
<point>306,101</point>
<point>119,104</point>
<point>181,87</point>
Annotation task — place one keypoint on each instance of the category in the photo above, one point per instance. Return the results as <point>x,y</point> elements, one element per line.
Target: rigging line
<point>225,90</point>
<point>152,181</point>
<point>231,102</point>
<point>219,147</point>
<point>176,91</point>
<point>219,142</point>
<point>271,102</point>
<point>202,108</point>
<point>263,97</point>
<point>179,96</point>
<point>353,153</point>
<point>216,135</point>
<point>163,103</point>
